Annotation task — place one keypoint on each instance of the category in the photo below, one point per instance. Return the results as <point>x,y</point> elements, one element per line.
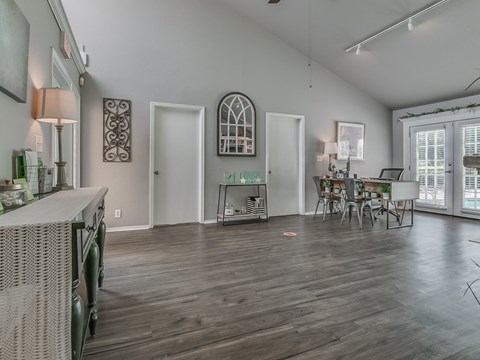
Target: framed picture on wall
<point>350,140</point>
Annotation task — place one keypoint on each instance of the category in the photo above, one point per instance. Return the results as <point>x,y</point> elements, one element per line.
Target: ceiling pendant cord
<point>309,40</point>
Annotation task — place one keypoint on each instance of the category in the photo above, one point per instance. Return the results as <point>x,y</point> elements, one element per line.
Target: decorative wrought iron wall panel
<point>116,130</point>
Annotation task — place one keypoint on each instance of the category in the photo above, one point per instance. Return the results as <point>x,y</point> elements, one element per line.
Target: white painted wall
<point>194,52</point>
<point>17,126</point>
<point>400,154</point>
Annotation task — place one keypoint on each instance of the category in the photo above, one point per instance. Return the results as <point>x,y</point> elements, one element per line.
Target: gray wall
<point>194,52</point>
<point>17,127</point>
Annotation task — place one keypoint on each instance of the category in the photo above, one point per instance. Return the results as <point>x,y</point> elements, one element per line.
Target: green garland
<point>470,108</point>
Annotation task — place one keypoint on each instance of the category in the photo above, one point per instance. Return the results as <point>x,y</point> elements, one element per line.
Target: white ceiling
<point>436,61</point>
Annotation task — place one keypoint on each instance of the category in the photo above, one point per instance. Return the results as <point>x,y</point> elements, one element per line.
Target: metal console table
<point>257,216</point>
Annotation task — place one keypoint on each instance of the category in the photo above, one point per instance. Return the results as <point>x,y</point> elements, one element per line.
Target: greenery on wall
<point>471,107</point>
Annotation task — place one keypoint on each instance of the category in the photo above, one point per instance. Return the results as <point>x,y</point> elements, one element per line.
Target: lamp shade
<point>57,105</point>
<point>330,148</point>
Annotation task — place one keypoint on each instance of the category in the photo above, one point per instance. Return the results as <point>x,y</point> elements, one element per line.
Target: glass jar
<point>229,209</point>
<point>13,195</point>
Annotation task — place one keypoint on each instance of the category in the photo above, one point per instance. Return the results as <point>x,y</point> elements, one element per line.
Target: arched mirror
<point>236,126</point>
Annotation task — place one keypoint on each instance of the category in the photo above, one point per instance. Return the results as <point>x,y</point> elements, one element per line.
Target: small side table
<point>257,216</point>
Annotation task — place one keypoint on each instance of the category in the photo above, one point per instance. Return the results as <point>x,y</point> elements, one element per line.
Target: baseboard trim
<point>310,213</point>
<point>128,228</point>
<point>210,222</point>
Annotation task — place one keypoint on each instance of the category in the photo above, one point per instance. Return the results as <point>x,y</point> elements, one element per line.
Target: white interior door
<point>284,167</point>
<point>432,166</point>
<point>176,165</point>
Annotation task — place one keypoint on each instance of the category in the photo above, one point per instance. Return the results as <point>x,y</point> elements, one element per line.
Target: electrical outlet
<point>118,213</point>
<point>319,158</point>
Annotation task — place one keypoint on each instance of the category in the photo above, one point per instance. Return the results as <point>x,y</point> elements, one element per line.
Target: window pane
<point>430,166</point>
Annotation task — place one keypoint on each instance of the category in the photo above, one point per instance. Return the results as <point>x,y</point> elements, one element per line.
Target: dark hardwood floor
<point>247,292</point>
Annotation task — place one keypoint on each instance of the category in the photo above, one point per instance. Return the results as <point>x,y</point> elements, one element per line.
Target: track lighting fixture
<point>408,20</point>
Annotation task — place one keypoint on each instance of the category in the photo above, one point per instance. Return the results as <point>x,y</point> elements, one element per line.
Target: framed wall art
<point>14,40</point>
<point>350,140</point>
<point>236,127</point>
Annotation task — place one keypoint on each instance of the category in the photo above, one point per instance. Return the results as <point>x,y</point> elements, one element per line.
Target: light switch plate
<point>319,158</point>
<point>39,143</point>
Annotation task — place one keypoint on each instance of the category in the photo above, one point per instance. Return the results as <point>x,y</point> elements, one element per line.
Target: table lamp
<point>330,149</point>
<point>58,106</point>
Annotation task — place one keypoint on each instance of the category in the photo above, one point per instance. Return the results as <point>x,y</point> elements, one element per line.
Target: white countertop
<point>59,207</point>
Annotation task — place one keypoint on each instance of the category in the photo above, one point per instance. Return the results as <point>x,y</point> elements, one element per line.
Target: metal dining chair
<point>360,204</point>
<point>329,200</point>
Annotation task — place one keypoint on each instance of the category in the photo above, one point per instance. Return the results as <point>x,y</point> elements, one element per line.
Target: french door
<point>437,151</point>
<point>432,166</point>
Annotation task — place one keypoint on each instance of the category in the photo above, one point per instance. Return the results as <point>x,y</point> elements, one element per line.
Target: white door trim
<point>201,155</point>
<point>57,64</point>
<point>301,154</point>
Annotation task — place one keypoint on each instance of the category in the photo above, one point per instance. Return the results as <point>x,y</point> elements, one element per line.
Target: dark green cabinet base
<point>88,242</point>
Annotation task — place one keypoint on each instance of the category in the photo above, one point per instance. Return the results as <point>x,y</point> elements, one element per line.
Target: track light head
<point>410,25</point>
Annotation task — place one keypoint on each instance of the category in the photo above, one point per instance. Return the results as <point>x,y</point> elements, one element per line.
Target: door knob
<point>269,171</point>
<point>156,172</point>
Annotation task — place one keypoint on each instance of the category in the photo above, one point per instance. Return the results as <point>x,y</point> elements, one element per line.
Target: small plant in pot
<point>331,167</point>
<point>358,187</point>
<point>327,184</point>
<point>385,190</point>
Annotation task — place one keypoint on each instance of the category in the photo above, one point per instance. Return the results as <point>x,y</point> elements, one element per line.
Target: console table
<point>51,261</point>
<point>221,217</point>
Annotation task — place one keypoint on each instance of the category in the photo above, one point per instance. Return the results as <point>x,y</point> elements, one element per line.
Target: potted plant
<point>331,167</point>
<point>327,184</point>
<point>385,189</point>
<point>358,187</point>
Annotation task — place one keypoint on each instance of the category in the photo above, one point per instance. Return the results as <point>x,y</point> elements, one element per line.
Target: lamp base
<point>61,180</point>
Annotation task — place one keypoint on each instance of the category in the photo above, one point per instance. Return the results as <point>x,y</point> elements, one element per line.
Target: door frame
<point>58,67</point>
<point>455,118</point>
<point>448,208</point>
<point>301,154</point>
<point>200,110</point>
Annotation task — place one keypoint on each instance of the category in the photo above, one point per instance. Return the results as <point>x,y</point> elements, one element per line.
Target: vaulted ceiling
<point>436,61</point>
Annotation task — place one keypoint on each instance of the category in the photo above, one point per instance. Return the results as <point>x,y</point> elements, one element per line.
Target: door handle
<point>448,172</point>
<point>269,171</point>
<point>156,172</point>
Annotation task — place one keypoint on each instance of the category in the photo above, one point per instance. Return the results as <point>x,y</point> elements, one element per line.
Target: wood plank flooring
<point>247,292</point>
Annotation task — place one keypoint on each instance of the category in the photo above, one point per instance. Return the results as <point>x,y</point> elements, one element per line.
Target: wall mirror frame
<point>236,126</point>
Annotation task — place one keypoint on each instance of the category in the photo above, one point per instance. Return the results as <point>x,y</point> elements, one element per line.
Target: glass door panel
<point>469,195</point>
<point>431,166</point>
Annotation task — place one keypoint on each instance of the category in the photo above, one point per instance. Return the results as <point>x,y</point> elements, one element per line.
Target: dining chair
<point>359,203</point>
<point>387,174</point>
<point>327,198</point>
